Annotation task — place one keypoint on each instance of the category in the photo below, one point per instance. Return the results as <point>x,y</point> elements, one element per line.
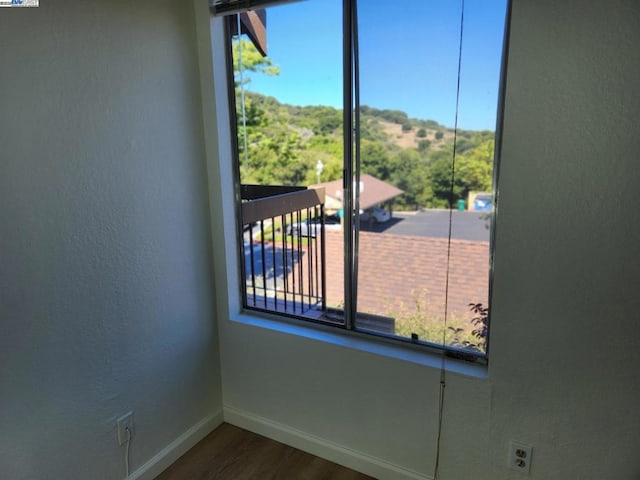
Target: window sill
<point>362,342</point>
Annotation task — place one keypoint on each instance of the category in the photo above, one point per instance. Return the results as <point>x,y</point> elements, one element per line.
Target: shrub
<point>421,133</point>
<point>418,320</point>
<point>424,145</point>
<point>480,321</point>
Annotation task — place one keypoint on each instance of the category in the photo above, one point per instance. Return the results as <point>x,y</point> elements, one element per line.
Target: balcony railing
<point>284,250</point>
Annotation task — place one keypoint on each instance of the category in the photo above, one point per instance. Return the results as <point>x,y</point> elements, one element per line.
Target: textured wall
<point>564,362</point>
<point>105,276</point>
<point>105,286</point>
<point>565,372</point>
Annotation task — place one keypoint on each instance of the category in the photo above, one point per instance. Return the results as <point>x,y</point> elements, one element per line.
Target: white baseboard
<point>372,466</point>
<point>172,452</point>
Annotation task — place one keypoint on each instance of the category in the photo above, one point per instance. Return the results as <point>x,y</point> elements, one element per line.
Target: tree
<point>393,116</point>
<point>252,117</point>
<point>331,166</point>
<point>424,145</point>
<point>329,122</point>
<point>375,159</point>
<point>473,172</point>
<point>410,174</point>
<point>475,168</point>
<point>274,157</point>
<point>252,61</point>
<point>422,133</point>
<point>440,179</point>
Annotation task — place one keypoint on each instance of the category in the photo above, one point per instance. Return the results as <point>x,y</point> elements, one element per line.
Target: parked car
<point>482,203</point>
<point>377,214</point>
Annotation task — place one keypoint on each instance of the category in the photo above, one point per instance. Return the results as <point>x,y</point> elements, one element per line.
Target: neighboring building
<point>373,193</point>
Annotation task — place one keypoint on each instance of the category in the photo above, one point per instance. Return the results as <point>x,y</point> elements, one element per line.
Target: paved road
<point>435,223</point>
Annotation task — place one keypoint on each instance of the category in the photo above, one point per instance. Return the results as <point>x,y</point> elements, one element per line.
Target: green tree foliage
<point>411,175</point>
<point>430,124</point>
<point>376,159</point>
<point>476,168</point>
<point>285,142</point>
<point>252,61</point>
<point>393,116</point>
<point>424,145</point>
<point>329,120</point>
<point>473,172</point>
<point>370,129</point>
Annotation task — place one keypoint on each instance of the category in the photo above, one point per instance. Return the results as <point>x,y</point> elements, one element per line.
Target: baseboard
<point>372,466</point>
<point>172,452</point>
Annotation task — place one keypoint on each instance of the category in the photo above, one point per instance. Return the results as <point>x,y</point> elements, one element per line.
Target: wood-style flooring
<point>230,453</point>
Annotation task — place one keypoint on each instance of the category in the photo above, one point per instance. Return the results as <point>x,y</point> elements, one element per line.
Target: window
<point>384,227</point>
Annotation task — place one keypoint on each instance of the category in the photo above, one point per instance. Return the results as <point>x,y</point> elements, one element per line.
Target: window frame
<point>235,263</point>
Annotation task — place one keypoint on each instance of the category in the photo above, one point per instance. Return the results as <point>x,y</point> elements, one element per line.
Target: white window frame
<point>225,214</point>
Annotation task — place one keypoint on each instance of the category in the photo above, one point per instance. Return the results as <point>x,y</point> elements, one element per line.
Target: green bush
<point>424,145</point>
<point>418,320</point>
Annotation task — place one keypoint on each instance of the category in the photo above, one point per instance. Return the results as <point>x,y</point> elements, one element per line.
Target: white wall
<point>105,258</point>
<point>105,285</point>
<point>564,362</point>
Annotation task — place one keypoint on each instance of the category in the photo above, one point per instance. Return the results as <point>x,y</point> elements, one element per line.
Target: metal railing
<point>284,250</point>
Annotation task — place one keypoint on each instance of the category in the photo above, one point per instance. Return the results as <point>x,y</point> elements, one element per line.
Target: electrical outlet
<point>122,424</point>
<point>520,456</point>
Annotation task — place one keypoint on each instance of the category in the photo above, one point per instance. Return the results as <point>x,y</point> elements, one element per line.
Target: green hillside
<point>284,143</point>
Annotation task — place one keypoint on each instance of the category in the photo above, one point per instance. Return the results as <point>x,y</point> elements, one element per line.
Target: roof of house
<point>372,191</point>
<point>398,272</point>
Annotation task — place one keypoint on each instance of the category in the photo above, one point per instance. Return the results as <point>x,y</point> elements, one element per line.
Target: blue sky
<point>408,57</point>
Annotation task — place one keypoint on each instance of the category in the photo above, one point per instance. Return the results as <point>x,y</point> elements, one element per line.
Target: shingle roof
<point>396,271</point>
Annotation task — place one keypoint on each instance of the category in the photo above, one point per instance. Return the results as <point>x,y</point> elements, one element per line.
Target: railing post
<point>323,259</point>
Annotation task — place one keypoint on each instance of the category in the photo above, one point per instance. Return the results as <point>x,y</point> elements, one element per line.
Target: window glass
<point>290,137</point>
<point>289,125</point>
<point>408,71</point>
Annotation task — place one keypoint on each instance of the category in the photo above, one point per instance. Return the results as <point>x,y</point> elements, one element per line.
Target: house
<point>373,192</point>
<point>114,286</point>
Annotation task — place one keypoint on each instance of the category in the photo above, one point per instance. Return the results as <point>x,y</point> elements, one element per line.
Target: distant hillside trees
<point>285,142</point>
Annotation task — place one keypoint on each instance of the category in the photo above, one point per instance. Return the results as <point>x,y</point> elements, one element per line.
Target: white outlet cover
<point>520,457</point>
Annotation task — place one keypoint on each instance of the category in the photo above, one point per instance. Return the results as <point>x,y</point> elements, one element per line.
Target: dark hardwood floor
<point>230,453</point>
